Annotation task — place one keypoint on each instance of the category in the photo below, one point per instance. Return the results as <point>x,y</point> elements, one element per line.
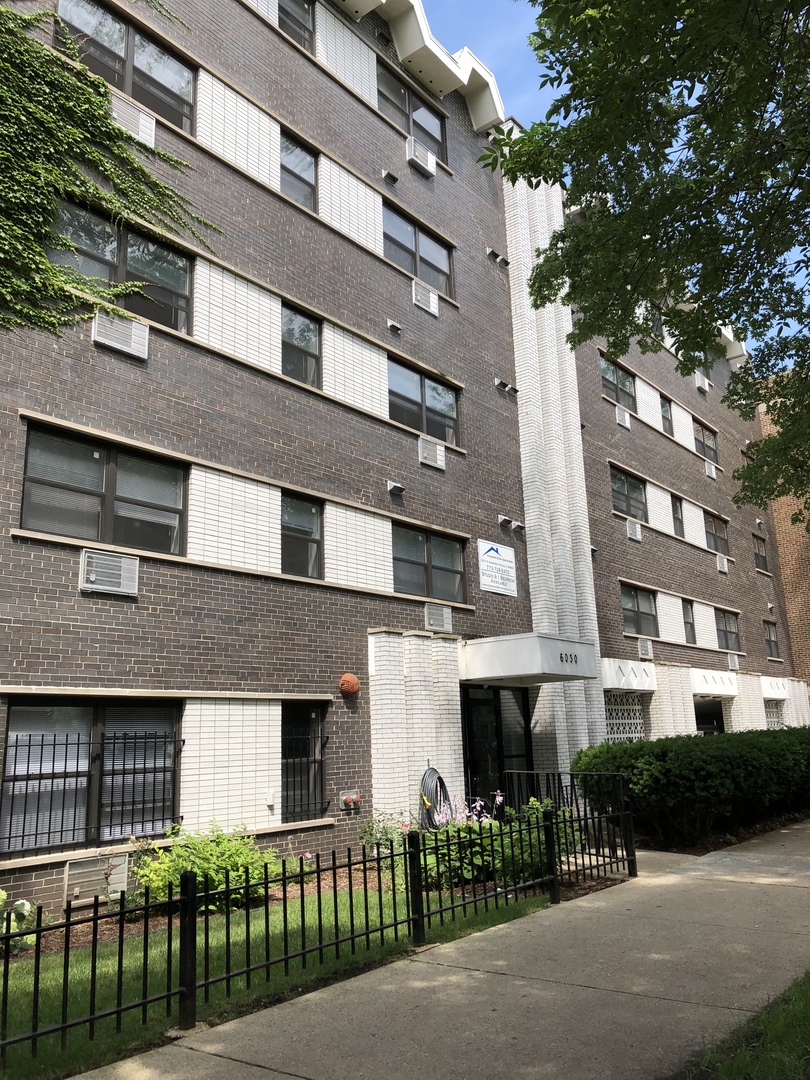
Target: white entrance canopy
<point>525,660</point>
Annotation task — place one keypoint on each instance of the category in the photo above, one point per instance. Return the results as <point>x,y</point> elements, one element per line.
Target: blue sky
<point>496,31</point>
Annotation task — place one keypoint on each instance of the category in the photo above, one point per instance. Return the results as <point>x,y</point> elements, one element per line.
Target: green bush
<point>213,854</point>
<point>683,788</point>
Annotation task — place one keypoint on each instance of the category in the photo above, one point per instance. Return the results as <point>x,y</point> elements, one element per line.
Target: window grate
<point>624,714</point>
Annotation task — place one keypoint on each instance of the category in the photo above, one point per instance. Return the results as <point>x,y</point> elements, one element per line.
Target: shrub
<point>211,855</point>
<point>682,788</point>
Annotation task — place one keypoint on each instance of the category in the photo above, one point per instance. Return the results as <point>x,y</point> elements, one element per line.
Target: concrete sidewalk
<point>631,983</point>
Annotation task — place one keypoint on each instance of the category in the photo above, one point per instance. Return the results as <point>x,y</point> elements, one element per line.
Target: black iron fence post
<point>551,855</point>
<point>188,950</point>
<point>628,832</point>
<point>415,886</point>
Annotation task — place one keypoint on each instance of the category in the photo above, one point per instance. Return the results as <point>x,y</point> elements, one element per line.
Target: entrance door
<point>709,717</point>
<point>497,737</point>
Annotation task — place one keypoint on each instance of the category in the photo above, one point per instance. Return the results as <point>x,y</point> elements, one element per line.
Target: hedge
<point>683,788</point>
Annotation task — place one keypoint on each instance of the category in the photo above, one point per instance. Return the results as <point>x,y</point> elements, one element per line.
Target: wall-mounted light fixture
<point>390,177</point>
<point>395,488</point>
<point>517,526</point>
<point>394,327</point>
<point>504,521</point>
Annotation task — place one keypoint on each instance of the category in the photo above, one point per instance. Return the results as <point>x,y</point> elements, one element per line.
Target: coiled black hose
<point>433,797</point>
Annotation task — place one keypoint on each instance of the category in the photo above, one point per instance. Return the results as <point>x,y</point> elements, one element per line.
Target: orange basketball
<point>349,684</point>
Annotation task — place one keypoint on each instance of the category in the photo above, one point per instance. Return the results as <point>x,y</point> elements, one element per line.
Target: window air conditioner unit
<point>701,382</point>
<point>622,416</point>
<point>634,529</point>
<point>420,157</point>
<point>722,564</point>
<point>439,617</point>
<point>431,453</point>
<point>645,649</point>
<point>125,335</point>
<point>107,572</point>
<point>425,297</point>
<point>132,119</point>
<point>711,470</point>
<point>733,662</point>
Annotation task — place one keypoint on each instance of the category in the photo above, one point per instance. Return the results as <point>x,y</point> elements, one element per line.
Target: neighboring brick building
<point>340,440</point>
<point>793,547</point>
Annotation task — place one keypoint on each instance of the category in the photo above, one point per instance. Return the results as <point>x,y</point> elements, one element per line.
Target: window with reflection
<point>131,62</point>
<point>716,533</point>
<point>298,173</point>
<point>301,537</point>
<point>629,494</point>
<point>617,384</point>
<point>638,609</point>
<point>300,346</point>
<point>427,564</point>
<point>397,101</point>
<point>705,441</point>
<point>728,630</point>
<point>297,19</point>
<point>422,403</point>
<point>416,251</point>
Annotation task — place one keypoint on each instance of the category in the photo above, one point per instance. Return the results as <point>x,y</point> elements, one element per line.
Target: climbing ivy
<point>59,142</point>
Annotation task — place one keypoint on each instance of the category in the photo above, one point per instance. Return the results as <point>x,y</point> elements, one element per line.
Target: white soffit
<point>633,675</point>
<point>707,683</point>
<point>430,63</point>
<point>525,660</point>
<point>774,689</point>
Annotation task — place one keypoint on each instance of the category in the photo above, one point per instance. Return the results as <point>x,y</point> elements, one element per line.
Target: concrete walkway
<point>631,983</point>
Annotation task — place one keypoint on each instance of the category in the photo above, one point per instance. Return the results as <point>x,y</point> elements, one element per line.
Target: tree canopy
<point>59,142</point>
<point>680,135</point>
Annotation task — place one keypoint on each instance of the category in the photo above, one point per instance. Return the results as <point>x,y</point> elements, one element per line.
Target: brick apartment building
<point>341,441</point>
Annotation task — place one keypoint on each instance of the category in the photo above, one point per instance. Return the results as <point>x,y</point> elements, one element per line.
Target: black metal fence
<point>117,966</point>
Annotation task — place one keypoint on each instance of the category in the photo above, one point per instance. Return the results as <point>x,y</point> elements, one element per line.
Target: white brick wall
<point>354,371</point>
<point>746,711</point>
<point>705,626</point>
<point>659,508</point>
<point>682,429</point>
<point>345,54</point>
<point>694,527</point>
<point>389,733</point>
<point>648,403</point>
<point>233,521</point>
<point>672,706</point>
<point>231,762</point>
<point>268,8</point>
<point>670,617</point>
<point>349,205</point>
<point>234,127</point>
<point>357,548</point>
<point>236,316</point>
<point>797,707</point>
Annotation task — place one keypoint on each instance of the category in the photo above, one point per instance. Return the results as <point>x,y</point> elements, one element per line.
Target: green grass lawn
<point>73,993</point>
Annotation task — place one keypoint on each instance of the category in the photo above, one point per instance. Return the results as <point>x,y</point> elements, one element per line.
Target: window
<point>300,346</point>
<point>728,630</point>
<point>677,516</point>
<point>689,621</point>
<point>87,773</point>
<point>705,442</point>
<point>771,640</point>
<point>119,255</point>
<point>75,487</point>
<point>400,104</point>
<point>666,416</point>
<point>657,320</point>
<point>132,63</point>
<point>301,538</point>
<point>618,384</point>
<point>629,494</point>
<point>638,608</point>
<point>760,554</point>
<point>421,403</point>
<point>716,533</point>
<point>302,746</point>
<point>412,249</point>
<point>297,19</point>
<point>298,173</point>
<point>426,564</point>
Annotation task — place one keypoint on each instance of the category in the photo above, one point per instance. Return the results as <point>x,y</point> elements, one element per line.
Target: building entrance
<point>709,716</point>
<point>497,737</point>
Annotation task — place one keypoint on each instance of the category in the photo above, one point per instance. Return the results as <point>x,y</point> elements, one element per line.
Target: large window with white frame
<point>97,491</point>
<point>85,772</point>
<point>131,62</point>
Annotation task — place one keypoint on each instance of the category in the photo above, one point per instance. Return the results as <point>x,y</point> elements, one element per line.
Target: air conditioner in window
<point>711,470</point>
<point>439,617</point>
<point>645,649</point>
<point>420,157</point>
<point>431,453</point>
<point>634,529</point>
<point>125,335</point>
<point>425,297</point>
<point>622,416</point>
<point>722,564</point>
<point>107,572</point>
<point>733,662</point>
<point>701,382</point>
<point>132,119</point>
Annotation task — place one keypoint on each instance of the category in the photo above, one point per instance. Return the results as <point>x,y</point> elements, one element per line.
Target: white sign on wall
<point>496,568</point>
